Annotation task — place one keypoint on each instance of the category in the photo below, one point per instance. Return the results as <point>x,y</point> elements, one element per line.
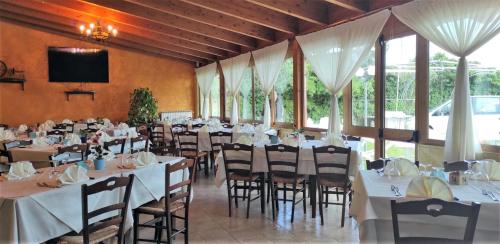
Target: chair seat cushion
<point>158,207</point>
<point>286,180</point>
<point>331,183</point>
<point>96,237</point>
<point>234,176</point>
<point>193,154</point>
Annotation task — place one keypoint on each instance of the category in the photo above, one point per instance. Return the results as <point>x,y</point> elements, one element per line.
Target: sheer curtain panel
<point>233,69</point>
<point>205,76</point>
<point>268,62</point>
<point>337,52</point>
<point>459,27</point>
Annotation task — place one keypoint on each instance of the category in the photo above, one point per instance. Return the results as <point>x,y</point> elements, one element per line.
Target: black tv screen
<point>78,65</point>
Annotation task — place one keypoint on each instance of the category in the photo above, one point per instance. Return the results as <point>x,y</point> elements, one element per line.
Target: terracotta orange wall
<point>172,81</point>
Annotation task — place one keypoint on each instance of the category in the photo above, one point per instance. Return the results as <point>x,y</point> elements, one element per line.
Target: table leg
<point>312,191</point>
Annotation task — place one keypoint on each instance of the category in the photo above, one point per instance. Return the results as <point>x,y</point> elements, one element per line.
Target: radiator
<point>171,115</point>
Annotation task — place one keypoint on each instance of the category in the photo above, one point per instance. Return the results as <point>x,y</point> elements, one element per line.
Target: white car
<point>486,117</point>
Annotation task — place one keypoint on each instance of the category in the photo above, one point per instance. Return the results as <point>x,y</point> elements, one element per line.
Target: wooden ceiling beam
<point>354,5</point>
<point>307,10</point>
<point>122,28</point>
<point>209,17</point>
<point>140,23</point>
<point>67,26</point>
<point>175,21</point>
<point>249,12</point>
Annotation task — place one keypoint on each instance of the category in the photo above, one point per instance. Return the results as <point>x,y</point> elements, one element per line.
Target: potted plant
<point>83,135</point>
<point>99,162</point>
<point>143,107</point>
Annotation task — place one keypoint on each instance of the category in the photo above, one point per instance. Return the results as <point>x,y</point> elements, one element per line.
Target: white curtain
<point>336,53</point>
<point>233,69</point>
<point>205,76</point>
<point>459,27</point>
<point>268,62</point>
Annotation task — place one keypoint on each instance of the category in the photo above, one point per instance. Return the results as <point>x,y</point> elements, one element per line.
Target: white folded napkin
<point>103,137</point>
<point>145,158</point>
<point>489,167</point>
<point>335,140</point>
<point>90,120</point>
<point>40,142</point>
<point>260,129</point>
<point>237,129</point>
<point>67,121</point>
<point>123,126</point>
<point>22,128</point>
<point>204,129</point>
<point>45,127</point>
<point>73,174</point>
<point>132,134</point>
<point>290,141</point>
<point>244,139</point>
<point>50,123</point>
<point>7,135</point>
<point>20,170</point>
<point>106,121</point>
<point>401,166</point>
<point>429,187</point>
<point>261,138</point>
<point>197,121</point>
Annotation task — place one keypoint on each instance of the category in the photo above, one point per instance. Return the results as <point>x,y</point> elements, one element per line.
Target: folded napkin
<point>67,121</point>
<point>73,174</point>
<point>22,128</point>
<point>204,129</point>
<point>145,158</point>
<point>20,170</point>
<point>72,139</point>
<point>244,139</point>
<point>132,134</point>
<point>197,120</point>
<point>90,120</point>
<point>290,141</point>
<point>237,129</point>
<point>123,126</point>
<point>429,187</point>
<point>108,155</point>
<point>489,167</point>
<point>261,138</point>
<point>260,129</point>
<point>106,121</point>
<point>40,142</point>
<point>335,140</point>
<point>50,123</point>
<point>404,166</point>
<point>103,137</point>
<point>7,135</point>
<point>45,127</point>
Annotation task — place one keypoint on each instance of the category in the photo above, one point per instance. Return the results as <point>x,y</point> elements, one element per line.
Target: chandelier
<point>97,31</point>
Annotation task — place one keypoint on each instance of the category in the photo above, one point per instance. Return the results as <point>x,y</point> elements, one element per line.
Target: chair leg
<point>294,188</point>
<point>275,192</point>
<point>343,209</point>
<point>249,197</point>
<point>136,226</point>
<point>284,194</point>
<point>169,228</point>
<point>228,182</point>
<point>186,226</point>
<point>268,190</point>
<point>206,164</point>
<point>261,196</point>
<point>304,194</point>
<point>244,190</point>
<point>196,164</point>
<point>274,205</point>
<point>327,200</point>
<point>320,193</point>
<point>158,230</point>
<point>235,183</point>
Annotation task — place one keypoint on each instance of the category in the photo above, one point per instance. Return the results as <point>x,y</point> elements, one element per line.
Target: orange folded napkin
<point>51,184</point>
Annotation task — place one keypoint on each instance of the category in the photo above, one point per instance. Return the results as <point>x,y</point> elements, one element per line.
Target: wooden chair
<point>92,125</point>
<point>456,166</point>
<point>110,227</point>
<point>70,128</point>
<point>71,154</point>
<point>177,198</point>
<point>376,164</point>
<point>435,207</point>
<point>197,126</point>
<point>5,148</point>
<point>238,162</point>
<point>282,163</point>
<point>217,139</point>
<point>139,144</point>
<point>4,126</point>
<point>332,171</point>
<point>61,127</point>
<point>351,138</point>
<point>227,126</point>
<point>56,133</point>
<point>116,146</point>
<point>176,128</point>
<point>309,137</point>
<point>160,145</point>
<point>188,147</point>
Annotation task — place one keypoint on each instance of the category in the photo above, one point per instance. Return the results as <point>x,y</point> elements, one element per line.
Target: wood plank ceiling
<point>197,31</point>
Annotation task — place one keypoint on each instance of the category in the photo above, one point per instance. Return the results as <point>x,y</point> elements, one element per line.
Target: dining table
<point>371,207</point>
<point>31,213</point>
<point>306,164</point>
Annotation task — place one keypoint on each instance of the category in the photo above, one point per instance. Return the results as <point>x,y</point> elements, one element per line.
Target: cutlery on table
<point>395,189</point>
<point>489,194</point>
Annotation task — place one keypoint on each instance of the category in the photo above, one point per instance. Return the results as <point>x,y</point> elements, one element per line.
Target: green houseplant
<point>143,107</point>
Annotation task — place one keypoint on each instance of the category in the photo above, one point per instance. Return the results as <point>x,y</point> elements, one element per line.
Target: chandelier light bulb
<point>115,32</point>
<point>82,28</point>
<point>88,31</point>
<point>92,26</point>
<point>110,28</point>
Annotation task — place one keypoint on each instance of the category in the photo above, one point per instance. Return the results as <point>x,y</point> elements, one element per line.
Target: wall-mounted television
<point>78,65</point>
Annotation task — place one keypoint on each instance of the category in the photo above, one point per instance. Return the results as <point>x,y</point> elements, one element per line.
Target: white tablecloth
<point>306,160</point>
<point>33,214</point>
<point>372,210</point>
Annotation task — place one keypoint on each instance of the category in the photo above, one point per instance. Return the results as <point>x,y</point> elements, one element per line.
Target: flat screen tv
<point>78,65</point>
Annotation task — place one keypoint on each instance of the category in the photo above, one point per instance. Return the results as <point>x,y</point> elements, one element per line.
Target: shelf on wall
<point>79,92</point>
<point>13,81</point>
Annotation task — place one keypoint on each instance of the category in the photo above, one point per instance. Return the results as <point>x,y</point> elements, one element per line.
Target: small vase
<point>99,164</point>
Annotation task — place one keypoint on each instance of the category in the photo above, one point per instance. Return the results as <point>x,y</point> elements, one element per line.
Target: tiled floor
<point>209,221</point>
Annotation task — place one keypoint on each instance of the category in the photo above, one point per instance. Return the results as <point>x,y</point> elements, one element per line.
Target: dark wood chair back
<point>121,206</point>
<point>376,164</point>
<point>282,161</point>
<point>71,154</point>
<point>4,126</point>
<point>332,164</point>
<point>219,138</point>
<point>181,191</point>
<point>238,159</point>
<point>197,126</point>
<point>61,127</point>
<point>227,126</point>
<point>56,133</point>
<point>139,144</point>
<point>116,146</point>
<point>157,135</point>
<point>351,138</point>
<point>435,207</point>
<point>176,128</point>
<point>6,146</point>
<point>188,142</point>
<point>309,137</point>
<point>92,125</point>
<point>456,166</point>
<point>70,127</point>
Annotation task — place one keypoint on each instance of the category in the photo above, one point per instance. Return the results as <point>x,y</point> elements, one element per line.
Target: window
<point>215,97</point>
<point>484,77</point>
<point>363,93</point>
<point>259,98</point>
<point>397,149</point>
<point>283,94</point>
<point>245,95</point>
<point>400,83</point>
